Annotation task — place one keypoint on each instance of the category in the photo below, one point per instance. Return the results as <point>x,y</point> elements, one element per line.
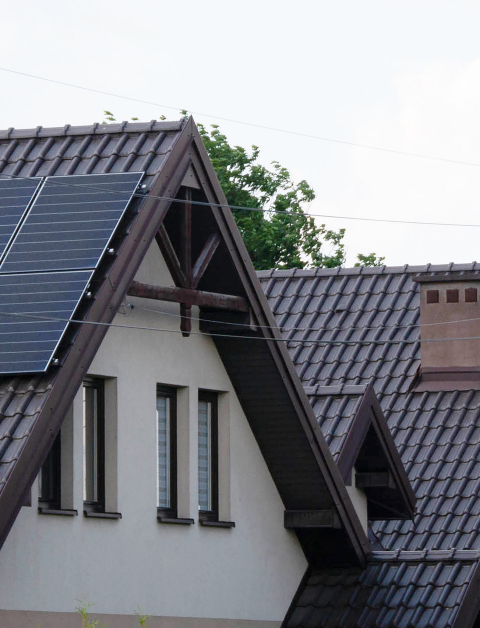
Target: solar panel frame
<point>26,319</point>
<point>83,190</point>
<point>11,186</point>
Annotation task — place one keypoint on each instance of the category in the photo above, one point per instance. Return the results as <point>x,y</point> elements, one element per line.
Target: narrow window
<point>166,451</point>
<point>93,445</point>
<point>50,479</point>
<point>207,455</point>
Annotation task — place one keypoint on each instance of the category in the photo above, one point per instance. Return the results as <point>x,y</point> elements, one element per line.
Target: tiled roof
<point>403,590</point>
<point>335,415</point>
<point>437,433</point>
<point>95,149</point>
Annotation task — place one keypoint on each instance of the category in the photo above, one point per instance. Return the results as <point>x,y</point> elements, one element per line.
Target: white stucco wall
<point>249,572</point>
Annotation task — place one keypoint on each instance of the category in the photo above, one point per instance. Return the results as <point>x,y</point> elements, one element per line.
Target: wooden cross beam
<point>186,274</point>
<point>189,297</point>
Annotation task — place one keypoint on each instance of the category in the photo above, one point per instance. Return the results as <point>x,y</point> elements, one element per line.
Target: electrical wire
<point>286,328</point>
<point>250,124</point>
<point>290,342</point>
<point>254,209</point>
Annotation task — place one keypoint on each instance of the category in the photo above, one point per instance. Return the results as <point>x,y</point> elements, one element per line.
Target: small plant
<point>83,609</point>
<point>142,619</point>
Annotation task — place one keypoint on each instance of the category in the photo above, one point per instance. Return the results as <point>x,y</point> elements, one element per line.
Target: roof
<point>32,409</point>
<point>372,314</point>
<point>396,590</point>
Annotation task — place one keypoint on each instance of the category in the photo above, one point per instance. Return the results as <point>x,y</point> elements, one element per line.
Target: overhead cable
<point>250,124</point>
<point>257,209</point>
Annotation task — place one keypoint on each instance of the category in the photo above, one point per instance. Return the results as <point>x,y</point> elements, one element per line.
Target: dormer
<point>450,332</point>
<point>361,443</point>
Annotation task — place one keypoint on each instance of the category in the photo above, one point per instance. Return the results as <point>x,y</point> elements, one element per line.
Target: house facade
<point>149,460</point>
<point>170,446</point>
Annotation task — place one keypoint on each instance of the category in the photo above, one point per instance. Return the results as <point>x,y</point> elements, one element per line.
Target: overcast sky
<point>401,75</point>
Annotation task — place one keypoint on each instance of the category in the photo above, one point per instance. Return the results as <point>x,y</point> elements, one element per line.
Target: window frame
<point>50,486</point>
<point>95,505</point>
<point>212,514</point>
<point>168,512</point>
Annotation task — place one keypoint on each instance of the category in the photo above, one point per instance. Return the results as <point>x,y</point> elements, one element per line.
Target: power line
<point>255,209</point>
<point>310,329</point>
<point>250,124</point>
<point>218,335</point>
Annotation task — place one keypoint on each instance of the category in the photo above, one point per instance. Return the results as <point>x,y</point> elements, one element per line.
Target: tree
<point>287,239</point>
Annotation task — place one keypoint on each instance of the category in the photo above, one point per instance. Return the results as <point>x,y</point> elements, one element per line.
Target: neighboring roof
<point>373,315</point>
<point>32,409</point>
<point>396,590</point>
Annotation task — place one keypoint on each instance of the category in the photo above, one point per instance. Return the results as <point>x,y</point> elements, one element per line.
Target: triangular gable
<point>370,449</point>
<point>262,373</point>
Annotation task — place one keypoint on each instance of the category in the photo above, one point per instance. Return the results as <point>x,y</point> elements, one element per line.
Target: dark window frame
<point>164,514</point>
<point>212,398</point>
<point>97,505</point>
<point>50,493</point>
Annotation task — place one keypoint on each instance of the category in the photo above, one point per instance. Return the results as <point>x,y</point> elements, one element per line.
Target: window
<point>93,445</point>
<point>49,489</point>
<point>207,456</point>
<point>166,452</point>
<point>55,480</point>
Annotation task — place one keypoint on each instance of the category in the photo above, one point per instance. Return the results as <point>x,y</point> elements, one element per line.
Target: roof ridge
<point>369,270</point>
<point>92,129</point>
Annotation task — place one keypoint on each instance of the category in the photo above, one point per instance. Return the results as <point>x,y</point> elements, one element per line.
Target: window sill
<point>92,514</point>
<point>175,520</point>
<point>62,512</point>
<point>216,524</point>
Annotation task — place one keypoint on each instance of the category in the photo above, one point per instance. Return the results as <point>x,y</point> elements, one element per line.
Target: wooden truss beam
<point>189,297</point>
<point>185,275</point>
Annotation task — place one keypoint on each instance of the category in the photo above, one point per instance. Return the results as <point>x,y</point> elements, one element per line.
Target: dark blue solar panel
<point>71,222</point>
<point>34,313</point>
<point>15,196</point>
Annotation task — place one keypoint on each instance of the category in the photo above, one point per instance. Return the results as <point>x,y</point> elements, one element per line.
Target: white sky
<point>398,74</point>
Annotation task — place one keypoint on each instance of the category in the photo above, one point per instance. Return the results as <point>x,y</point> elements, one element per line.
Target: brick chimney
<point>450,314</point>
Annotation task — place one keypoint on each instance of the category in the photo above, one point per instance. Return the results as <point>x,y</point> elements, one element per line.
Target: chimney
<point>450,332</point>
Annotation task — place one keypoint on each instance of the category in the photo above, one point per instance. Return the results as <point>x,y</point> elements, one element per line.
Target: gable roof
<point>369,318</point>
<point>32,408</point>
<point>358,436</point>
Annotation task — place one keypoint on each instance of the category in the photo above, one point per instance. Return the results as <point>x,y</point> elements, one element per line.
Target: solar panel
<point>71,222</point>
<point>34,313</point>
<point>15,196</point>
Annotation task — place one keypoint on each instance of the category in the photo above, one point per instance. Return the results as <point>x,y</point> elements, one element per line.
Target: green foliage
<point>83,609</point>
<point>290,239</point>
<point>369,260</point>
<point>142,619</point>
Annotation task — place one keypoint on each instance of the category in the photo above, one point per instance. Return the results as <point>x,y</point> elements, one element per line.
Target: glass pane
<point>204,455</point>
<point>163,444</point>
<point>90,444</point>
